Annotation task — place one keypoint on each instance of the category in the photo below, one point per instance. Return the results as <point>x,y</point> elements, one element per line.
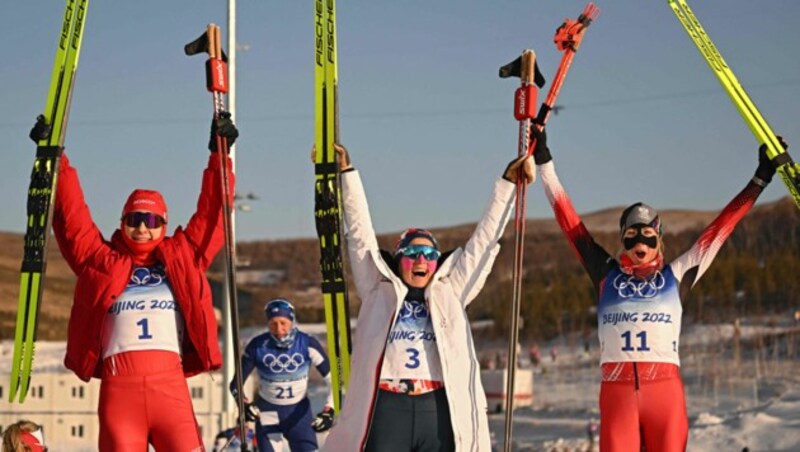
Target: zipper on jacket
<point>636,376</point>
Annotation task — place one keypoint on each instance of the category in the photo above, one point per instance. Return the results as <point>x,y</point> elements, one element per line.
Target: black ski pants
<point>404,423</point>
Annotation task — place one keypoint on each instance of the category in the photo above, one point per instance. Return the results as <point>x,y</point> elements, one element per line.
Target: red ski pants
<point>144,398</point>
<point>650,414</point>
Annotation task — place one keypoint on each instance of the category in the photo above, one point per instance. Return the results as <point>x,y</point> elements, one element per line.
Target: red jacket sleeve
<point>596,260</point>
<point>691,265</point>
<point>76,233</point>
<point>204,230</point>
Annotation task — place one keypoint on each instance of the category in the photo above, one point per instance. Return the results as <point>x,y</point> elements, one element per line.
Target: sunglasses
<point>150,220</point>
<point>415,251</point>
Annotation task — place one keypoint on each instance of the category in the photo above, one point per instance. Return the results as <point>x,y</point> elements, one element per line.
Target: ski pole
<point>568,38</point>
<point>524,111</point>
<point>217,84</point>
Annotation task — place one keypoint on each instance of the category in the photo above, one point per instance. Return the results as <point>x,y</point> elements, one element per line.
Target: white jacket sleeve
<point>361,241</point>
<point>473,265</point>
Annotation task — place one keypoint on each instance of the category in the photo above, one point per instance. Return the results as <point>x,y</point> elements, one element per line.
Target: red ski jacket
<point>104,267</point>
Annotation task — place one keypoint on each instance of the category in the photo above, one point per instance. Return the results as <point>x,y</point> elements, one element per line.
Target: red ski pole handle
<point>525,102</point>
<point>216,68</point>
<point>525,97</point>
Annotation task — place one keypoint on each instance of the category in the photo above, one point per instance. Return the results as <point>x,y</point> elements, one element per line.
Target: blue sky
<point>426,118</point>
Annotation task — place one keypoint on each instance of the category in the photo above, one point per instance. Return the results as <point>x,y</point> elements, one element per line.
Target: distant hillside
<point>57,291</point>
<point>758,267</point>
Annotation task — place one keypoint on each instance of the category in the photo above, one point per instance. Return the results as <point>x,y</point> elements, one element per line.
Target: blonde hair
<point>12,437</point>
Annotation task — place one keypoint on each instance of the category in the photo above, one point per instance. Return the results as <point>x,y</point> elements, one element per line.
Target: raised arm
<point>473,265</point>
<point>204,229</point>
<point>691,265</point>
<point>76,233</point>
<point>594,258</point>
<point>362,246</point>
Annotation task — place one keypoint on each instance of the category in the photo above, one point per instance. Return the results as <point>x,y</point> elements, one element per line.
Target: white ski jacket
<point>454,285</point>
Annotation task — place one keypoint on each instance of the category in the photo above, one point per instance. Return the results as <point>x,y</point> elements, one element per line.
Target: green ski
<point>49,134</point>
<point>788,169</point>
<point>327,197</point>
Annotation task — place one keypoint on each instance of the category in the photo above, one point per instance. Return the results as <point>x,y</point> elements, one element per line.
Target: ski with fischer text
<point>788,169</point>
<point>48,133</point>
<point>327,197</point>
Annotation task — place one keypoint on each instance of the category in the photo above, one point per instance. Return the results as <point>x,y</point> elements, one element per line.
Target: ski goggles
<point>150,220</point>
<point>415,251</point>
<point>651,241</point>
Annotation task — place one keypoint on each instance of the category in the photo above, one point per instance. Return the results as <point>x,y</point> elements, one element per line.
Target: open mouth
<point>419,273</point>
<point>641,254</point>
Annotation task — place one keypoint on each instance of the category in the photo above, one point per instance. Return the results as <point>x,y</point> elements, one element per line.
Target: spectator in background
<point>535,355</point>
<point>24,436</point>
<point>591,431</point>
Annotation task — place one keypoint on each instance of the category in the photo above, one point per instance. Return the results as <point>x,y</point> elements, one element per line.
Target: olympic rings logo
<point>284,362</point>
<point>629,286</point>
<point>413,311</point>
<point>143,276</point>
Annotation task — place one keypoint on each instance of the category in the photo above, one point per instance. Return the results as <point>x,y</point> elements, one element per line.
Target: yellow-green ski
<point>327,196</point>
<point>49,134</point>
<point>788,169</point>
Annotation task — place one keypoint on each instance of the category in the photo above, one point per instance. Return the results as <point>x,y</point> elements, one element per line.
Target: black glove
<point>40,130</point>
<point>766,168</point>
<point>251,412</point>
<point>223,126</point>
<point>324,420</point>
<point>541,153</point>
